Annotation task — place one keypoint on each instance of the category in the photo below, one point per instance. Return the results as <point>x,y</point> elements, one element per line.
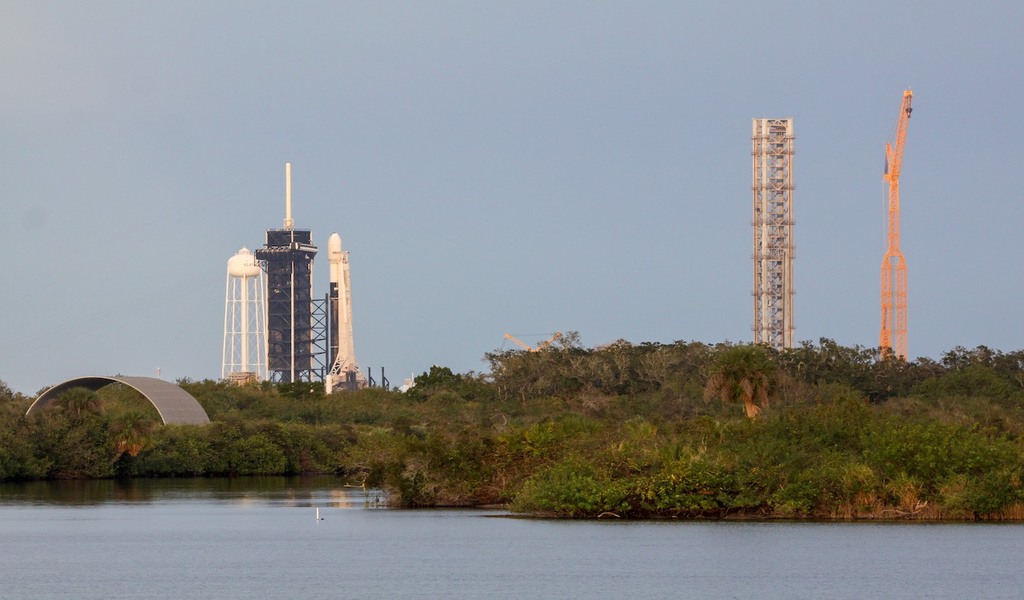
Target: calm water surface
<point>259,539</point>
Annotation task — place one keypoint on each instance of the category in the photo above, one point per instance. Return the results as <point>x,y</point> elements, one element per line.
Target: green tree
<point>6,395</point>
<point>255,455</point>
<point>131,435</point>
<point>742,374</point>
<point>440,383</point>
<point>79,402</point>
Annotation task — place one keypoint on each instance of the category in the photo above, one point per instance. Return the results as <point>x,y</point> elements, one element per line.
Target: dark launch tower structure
<point>287,258</point>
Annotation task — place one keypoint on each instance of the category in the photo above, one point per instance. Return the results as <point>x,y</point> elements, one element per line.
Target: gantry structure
<point>773,232</point>
<point>892,336</point>
<point>287,259</point>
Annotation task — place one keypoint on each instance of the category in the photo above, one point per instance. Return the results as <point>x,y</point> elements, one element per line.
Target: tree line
<point>684,429</point>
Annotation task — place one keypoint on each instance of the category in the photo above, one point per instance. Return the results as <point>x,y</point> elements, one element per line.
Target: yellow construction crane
<point>893,334</point>
<point>539,347</point>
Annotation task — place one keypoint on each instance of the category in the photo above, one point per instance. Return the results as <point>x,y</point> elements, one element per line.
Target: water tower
<point>245,326</point>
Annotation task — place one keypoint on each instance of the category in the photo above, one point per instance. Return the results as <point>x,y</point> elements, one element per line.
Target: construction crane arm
<point>548,342</point>
<point>540,346</point>
<point>894,152</point>
<point>518,342</point>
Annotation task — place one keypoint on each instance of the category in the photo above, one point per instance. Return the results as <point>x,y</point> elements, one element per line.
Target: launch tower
<point>773,232</point>
<point>287,258</point>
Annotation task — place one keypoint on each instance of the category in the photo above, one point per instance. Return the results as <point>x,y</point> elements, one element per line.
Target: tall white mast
<point>289,224</point>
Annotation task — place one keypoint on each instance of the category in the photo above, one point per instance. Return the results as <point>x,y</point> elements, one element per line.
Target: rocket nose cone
<point>334,244</point>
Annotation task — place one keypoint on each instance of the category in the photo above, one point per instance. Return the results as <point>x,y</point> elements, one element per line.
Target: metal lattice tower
<point>893,333</point>
<point>287,258</point>
<point>773,232</point>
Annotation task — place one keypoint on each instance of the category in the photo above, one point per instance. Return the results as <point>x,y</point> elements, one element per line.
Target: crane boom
<point>893,334</point>
<point>540,346</point>
<point>519,342</point>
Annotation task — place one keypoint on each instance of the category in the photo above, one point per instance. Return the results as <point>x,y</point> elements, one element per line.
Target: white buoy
<point>318,514</point>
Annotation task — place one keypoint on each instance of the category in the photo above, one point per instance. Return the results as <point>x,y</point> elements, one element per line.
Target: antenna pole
<point>288,222</point>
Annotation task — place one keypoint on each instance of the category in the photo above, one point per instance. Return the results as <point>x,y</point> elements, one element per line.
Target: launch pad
<point>306,338</point>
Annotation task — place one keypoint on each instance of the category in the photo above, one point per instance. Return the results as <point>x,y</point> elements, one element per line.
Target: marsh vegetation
<point>651,430</point>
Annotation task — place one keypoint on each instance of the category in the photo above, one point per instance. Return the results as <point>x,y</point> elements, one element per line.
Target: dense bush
<point>625,430</point>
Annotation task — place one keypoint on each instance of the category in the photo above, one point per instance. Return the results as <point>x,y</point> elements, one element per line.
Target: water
<point>255,539</point>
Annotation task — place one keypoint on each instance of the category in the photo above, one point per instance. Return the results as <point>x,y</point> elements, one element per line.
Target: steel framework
<point>174,404</point>
<point>321,327</point>
<point>894,267</point>
<point>287,259</point>
<point>773,232</point>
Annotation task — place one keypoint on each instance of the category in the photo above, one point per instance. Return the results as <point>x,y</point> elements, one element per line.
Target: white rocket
<point>344,371</point>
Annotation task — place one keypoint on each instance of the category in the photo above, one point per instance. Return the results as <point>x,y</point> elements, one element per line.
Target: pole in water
<point>318,518</point>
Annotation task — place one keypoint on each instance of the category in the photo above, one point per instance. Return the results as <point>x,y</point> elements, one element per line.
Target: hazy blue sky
<point>492,167</point>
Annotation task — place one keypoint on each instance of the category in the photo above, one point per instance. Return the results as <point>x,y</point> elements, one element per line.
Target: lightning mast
<point>287,259</point>
<point>894,267</point>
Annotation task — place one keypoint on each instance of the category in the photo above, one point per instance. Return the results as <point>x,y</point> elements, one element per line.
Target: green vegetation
<point>651,430</point>
<point>742,374</point>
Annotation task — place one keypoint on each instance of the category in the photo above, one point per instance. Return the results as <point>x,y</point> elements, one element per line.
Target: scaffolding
<point>774,249</point>
<point>287,259</point>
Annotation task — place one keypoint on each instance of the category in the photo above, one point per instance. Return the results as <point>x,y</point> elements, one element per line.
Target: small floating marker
<point>318,517</point>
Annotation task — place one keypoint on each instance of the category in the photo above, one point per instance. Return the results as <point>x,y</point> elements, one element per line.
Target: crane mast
<point>893,334</point>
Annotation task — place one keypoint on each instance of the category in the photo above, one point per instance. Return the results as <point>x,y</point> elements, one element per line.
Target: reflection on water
<point>256,538</point>
<point>317,491</point>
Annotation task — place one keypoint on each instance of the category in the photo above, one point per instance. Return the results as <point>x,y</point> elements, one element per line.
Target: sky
<point>497,167</point>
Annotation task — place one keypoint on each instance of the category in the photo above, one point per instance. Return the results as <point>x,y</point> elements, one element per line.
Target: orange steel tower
<point>894,268</point>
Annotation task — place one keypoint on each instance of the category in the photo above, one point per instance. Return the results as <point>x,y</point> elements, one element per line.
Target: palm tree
<point>131,434</point>
<point>79,402</point>
<point>742,374</point>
